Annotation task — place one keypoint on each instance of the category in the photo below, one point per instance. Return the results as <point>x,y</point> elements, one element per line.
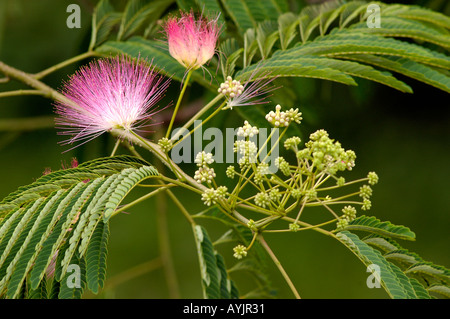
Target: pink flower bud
<point>192,42</point>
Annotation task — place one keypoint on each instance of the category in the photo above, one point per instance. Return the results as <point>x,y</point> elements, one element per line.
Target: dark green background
<point>404,138</point>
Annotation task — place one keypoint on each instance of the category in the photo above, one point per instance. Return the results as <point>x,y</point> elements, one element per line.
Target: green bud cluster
<point>240,251</point>
<point>292,143</point>
<point>262,199</point>
<point>212,196</point>
<point>365,191</point>
<point>283,165</point>
<point>294,227</point>
<point>230,171</point>
<point>327,154</point>
<point>341,223</point>
<point>367,204</point>
<point>349,212</point>
<point>373,178</point>
<point>165,144</point>
<point>340,181</point>
<point>283,119</point>
<point>293,187</point>
<point>252,225</point>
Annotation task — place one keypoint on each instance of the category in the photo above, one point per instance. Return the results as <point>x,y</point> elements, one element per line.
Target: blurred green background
<point>403,137</point>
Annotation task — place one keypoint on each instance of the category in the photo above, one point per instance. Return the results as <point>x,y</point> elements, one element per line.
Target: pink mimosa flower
<point>111,93</point>
<point>192,42</point>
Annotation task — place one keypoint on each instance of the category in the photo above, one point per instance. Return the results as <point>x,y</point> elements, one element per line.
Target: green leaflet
<point>343,42</point>
<point>104,19</point>
<point>96,257</point>
<point>416,13</point>
<point>215,282</point>
<point>138,12</point>
<point>16,244</point>
<point>440,290</point>
<point>386,229</point>
<point>227,288</point>
<point>56,226</point>
<point>422,274</point>
<point>38,293</point>
<point>406,67</point>
<point>240,14</point>
<point>398,27</point>
<point>392,279</point>
<point>327,68</point>
<point>295,67</point>
<point>253,264</point>
<point>50,244</point>
<point>26,258</point>
<point>287,28</point>
<point>186,5</point>
<point>419,290</point>
<point>430,272</point>
<point>74,281</point>
<point>211,8</point>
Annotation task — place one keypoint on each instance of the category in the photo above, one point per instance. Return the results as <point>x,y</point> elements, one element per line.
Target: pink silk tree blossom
<point>192,42</point>
<point>116,92</point>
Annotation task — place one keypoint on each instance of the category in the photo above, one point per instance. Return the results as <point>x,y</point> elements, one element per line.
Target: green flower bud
<point>283,165</point>
<point>262,199</point>
<point>292,142</point>
<point>240,251</point>
<point>165,144</point>
<point>274,194</point>
<point>349,212</point>
<point>230,171</point>
<point>340,181</point>
<point>373,178</point>
<point>365,191</point>
<point>296,193</point>
<point>294,227</point>
<point>252,225</point>
<point>342,223</point>
<point>367,204</point>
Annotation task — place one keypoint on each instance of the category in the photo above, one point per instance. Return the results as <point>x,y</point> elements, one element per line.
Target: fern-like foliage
<point>215,280</point>
<point>403,274</point>
<point>331,41</point>
<point>60,222</point>
<point>253,265</point>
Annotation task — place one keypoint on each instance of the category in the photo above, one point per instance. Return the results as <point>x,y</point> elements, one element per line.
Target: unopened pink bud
<point>192,42</point>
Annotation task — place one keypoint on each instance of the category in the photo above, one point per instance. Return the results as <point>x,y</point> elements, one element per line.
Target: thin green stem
<point>38,85</point>
<point>178,183</point>
<point>132,273</point>
<point>163,237</point>
<point>177,106</point>
<point>22,92</point>
<point>279,266</point>
<point>27,123</point>
<point>203,122</point>
<point>181,207</point>
<point>197,116</point>
<point>154,148</point>
<point>303,228</point>
<point>63,64</point>
<point>253,241</point>
<point>116,146</point>
<point>141,199</point>
<point>345,184</point>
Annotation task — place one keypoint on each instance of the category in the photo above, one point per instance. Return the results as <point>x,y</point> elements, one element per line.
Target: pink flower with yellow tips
<point>110,93</point>
<point>192,42</point>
